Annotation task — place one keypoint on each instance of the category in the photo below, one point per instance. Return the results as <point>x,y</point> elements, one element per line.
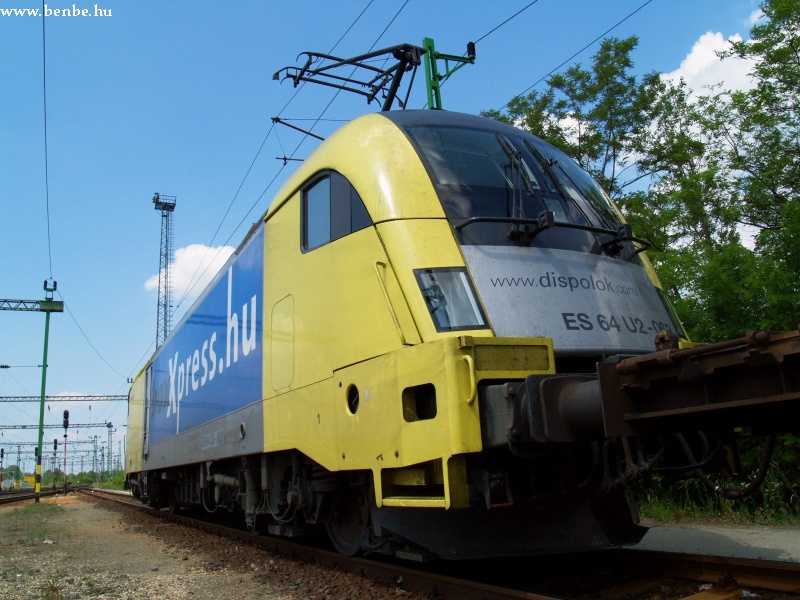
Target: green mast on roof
<point>433,78</point>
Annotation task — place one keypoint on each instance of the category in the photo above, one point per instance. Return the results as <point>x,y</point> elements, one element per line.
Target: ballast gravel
<point>74,549</point>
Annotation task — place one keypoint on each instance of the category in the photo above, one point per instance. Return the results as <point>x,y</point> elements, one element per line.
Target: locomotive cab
<point>547,251</point>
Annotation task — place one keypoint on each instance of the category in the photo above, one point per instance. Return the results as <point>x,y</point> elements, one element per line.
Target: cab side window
<point>332,209</point>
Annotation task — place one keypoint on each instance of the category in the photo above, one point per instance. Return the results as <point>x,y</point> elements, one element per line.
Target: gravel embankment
<point>71,549</point>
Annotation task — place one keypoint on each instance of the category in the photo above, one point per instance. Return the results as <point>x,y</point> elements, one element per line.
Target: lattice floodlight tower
<point>165,204</point>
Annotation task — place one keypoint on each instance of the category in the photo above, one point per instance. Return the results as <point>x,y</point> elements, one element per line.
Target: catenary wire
<point>247,215</point>
<point>617,24</point>
<point>195,279</point>
<point>515,15</point>
<point>69,312</point>
<point>491,31</point>
<point>192,281</point>
<point>324,110</point>
<point>46,161</point>
<point>46,175</point>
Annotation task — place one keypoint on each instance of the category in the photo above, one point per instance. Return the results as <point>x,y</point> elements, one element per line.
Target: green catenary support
<point>433,78</point>
<point>47,306</point>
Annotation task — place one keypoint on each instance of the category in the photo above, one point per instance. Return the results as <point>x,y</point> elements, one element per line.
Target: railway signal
<point>66,425</point>
<point>55,449</point>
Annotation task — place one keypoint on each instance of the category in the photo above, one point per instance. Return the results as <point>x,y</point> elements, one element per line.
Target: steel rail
<point>413,579</point>
<point>22,496</point>
<point>648,567</point>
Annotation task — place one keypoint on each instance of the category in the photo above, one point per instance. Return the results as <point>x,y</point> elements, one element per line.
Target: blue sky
<point>177,97</point>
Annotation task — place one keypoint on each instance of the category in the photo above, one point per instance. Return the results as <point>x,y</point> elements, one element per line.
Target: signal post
<point>47,306</point>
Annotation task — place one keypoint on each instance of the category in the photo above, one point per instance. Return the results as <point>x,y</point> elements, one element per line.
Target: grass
<point>31,524</point>
<point>54,589</point>
<point>664,510</point>
<point>686,503</point>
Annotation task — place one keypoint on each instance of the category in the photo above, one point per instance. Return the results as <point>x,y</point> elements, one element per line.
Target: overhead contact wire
<point>192,282</point>
<point>606,32</point>
<point>69,312</point>
<point>512,17</point>
<point>490,32</point>
<point>318,119</point>
<point>46,173</point>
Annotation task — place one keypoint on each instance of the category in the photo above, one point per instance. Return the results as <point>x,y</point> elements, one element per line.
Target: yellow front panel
<point>281,328</point>
<point>340,312</point>
<point>378,436</point>
<point>303,419</point>
<point>382,433</point>
<point>421,244</point>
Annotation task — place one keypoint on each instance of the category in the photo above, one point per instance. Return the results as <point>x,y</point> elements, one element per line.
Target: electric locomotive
<point>423,348</point>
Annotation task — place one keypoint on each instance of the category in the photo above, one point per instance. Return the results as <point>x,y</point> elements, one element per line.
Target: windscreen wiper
<point>610,239</point>
<point>547,166</point>
<point>517,212</point>
<point>515,157</point>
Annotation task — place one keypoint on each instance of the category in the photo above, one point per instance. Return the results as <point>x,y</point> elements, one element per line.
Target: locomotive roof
<point>375,147</point>
<point>403,118</point>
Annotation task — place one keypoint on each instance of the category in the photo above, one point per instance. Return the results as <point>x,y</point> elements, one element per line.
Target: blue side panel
<point>212,363</point>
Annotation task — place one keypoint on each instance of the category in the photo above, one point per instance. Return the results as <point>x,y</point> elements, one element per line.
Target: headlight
<point>450,298</point>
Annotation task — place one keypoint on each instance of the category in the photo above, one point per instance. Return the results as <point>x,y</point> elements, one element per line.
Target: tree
<point>12,472</point>
<point>590,114</point>
<point>768,152</point>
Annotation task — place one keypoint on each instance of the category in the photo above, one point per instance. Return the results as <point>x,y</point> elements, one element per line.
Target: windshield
<point>509,174</point>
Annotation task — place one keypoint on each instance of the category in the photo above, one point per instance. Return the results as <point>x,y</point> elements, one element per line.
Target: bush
<point>777,501</point>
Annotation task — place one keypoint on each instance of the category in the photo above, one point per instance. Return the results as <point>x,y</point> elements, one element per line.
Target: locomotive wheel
<point>347,526</point>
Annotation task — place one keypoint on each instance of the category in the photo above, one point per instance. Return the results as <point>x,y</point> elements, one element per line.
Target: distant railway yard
<point>96,544</point>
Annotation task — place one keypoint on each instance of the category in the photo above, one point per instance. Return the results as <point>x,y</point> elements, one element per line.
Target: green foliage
<point>727,290</point>
<point>12,472</point>
<point>116,481</point>
<point>776,501</point>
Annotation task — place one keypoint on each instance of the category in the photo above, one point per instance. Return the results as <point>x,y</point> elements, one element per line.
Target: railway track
<point>25,495</point>
<point>608,575</point>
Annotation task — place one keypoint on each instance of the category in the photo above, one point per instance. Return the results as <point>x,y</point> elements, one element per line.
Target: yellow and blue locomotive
<point>408,348</point>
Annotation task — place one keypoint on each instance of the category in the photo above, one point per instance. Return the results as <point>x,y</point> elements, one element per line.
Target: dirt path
<point>66,548</point>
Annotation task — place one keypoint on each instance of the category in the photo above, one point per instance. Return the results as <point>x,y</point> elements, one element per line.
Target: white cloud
<point>702,67</point>
<point>755,17</point>
<point>193,269</point>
